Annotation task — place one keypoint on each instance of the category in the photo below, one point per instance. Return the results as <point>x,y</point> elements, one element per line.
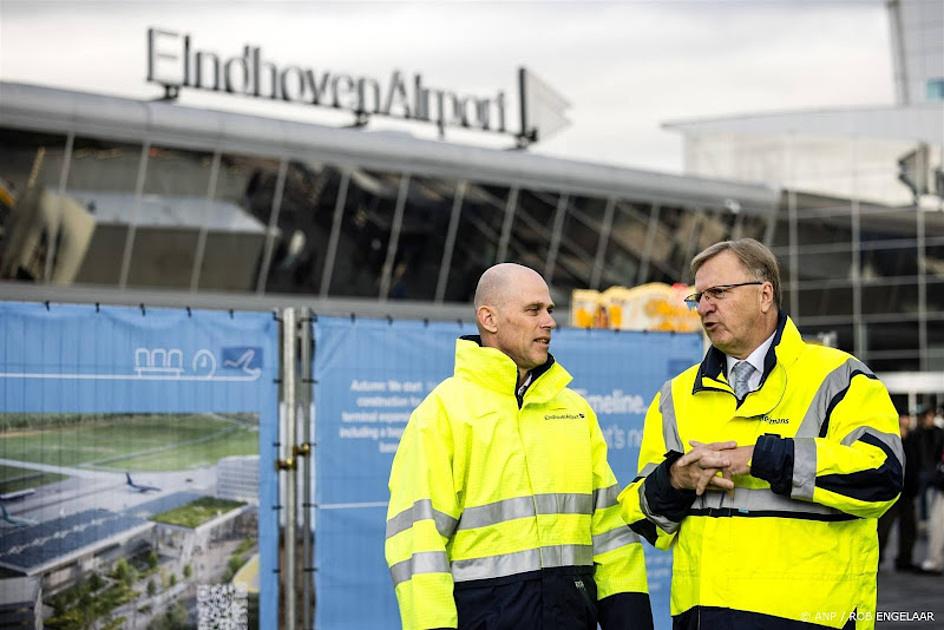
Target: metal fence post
<point>305,451</point>
<point>287,464</point>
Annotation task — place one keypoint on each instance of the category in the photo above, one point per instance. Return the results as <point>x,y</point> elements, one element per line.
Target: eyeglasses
<point>716,293</point>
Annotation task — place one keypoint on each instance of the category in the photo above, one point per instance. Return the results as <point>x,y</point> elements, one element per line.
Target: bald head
<point>513,312</point>
<point>501,281</point>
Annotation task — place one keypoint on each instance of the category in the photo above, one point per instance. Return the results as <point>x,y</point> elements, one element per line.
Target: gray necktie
<point>740,375</point>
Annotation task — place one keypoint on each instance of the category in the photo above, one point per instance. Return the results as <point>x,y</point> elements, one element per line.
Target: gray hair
<point>759,261</point>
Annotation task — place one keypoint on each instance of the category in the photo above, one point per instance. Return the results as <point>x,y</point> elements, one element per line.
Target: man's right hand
<point>700,467</point>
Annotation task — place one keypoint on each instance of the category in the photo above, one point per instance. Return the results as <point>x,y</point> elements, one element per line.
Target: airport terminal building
<point>112,197</point>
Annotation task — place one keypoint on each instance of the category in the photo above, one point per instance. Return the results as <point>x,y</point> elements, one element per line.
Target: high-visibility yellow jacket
<point>483,491</point>
<point>797,537</point>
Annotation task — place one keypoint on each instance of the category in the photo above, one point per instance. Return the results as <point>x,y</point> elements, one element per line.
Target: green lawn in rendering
<point>131,442</point>
<point>197,512</point>
<point>13,478</point>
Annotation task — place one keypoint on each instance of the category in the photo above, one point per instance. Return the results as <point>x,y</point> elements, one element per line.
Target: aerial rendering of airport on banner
<point>131,508</point>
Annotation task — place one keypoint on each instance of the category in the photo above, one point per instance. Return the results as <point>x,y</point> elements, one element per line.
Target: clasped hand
<point>710,466</point>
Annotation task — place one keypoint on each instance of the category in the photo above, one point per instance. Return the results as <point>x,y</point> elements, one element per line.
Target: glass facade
<point>873,274</point>
<point>177,218</point>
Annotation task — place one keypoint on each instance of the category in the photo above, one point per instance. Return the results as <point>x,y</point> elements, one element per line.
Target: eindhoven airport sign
<point>174,63</point>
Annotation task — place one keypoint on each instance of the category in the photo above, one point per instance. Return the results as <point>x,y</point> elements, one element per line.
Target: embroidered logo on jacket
<point>564,416</point>
<point>769,420</point>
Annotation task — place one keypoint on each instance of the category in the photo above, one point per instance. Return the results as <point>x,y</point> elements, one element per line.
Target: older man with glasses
<point>765,467</point>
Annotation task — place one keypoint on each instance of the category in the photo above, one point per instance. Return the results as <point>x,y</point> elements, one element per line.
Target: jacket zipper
<point>527,468</point>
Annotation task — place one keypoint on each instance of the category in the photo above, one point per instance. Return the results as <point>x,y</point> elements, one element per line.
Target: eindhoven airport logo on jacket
<point>564,416</point>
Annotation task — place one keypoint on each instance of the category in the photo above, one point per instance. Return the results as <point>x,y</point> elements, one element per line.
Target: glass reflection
<point>30,171</point>
<point>422,238</point>
<point>477,238</point>
<point>236,228</point>
<point>102,180</point>
<point>365,233</point>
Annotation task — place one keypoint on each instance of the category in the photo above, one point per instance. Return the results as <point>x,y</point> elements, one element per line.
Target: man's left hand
<point>740,460</point>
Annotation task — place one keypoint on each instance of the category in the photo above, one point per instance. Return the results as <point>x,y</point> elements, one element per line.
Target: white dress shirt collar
<point>756,358</point>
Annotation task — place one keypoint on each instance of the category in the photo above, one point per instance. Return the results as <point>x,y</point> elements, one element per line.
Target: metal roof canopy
<point>47,109</point>
<point>913,382</point>
<point>922,122</point>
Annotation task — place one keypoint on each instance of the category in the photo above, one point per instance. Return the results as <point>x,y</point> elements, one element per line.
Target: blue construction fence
<point>139,445</point>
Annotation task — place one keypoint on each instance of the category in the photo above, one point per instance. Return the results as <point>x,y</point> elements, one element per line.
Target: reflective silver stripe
<point>758,500</point>
<point>523,507</point>
<point>420,562</point>
<point>491,513</point>
<point>647,469</point>
<point>804,468</point>
<point>422,509</point>
<point>605,497</point>
<point>893,442</point>
<point>564,503</point>
<point>664,524</point>
<point>521,561</point>
<point>614,539</point>
<point>673,442</point>
<point>670,432</point>
<point>804,458</point>
<point>836,381</point>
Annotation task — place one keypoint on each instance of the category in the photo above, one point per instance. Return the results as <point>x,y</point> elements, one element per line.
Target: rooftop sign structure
<point>175,63</point>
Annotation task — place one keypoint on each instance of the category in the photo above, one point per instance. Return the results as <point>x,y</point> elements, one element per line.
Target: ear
<point>766,297</point>
<point>487,318</point>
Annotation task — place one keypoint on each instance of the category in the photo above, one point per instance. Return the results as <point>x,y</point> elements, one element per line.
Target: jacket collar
<point>493,369</point>
<point>784,350</point>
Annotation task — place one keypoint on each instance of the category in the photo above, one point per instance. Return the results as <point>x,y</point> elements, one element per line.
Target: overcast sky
<point>626,67</point>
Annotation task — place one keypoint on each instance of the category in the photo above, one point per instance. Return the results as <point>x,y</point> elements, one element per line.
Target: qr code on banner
<point>222,607</point>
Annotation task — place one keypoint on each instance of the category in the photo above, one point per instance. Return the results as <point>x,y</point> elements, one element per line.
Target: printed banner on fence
<point>130,460</point>
<point>370,374</point>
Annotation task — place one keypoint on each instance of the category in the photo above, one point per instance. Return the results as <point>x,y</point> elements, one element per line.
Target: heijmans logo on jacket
<point>769,420</point>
